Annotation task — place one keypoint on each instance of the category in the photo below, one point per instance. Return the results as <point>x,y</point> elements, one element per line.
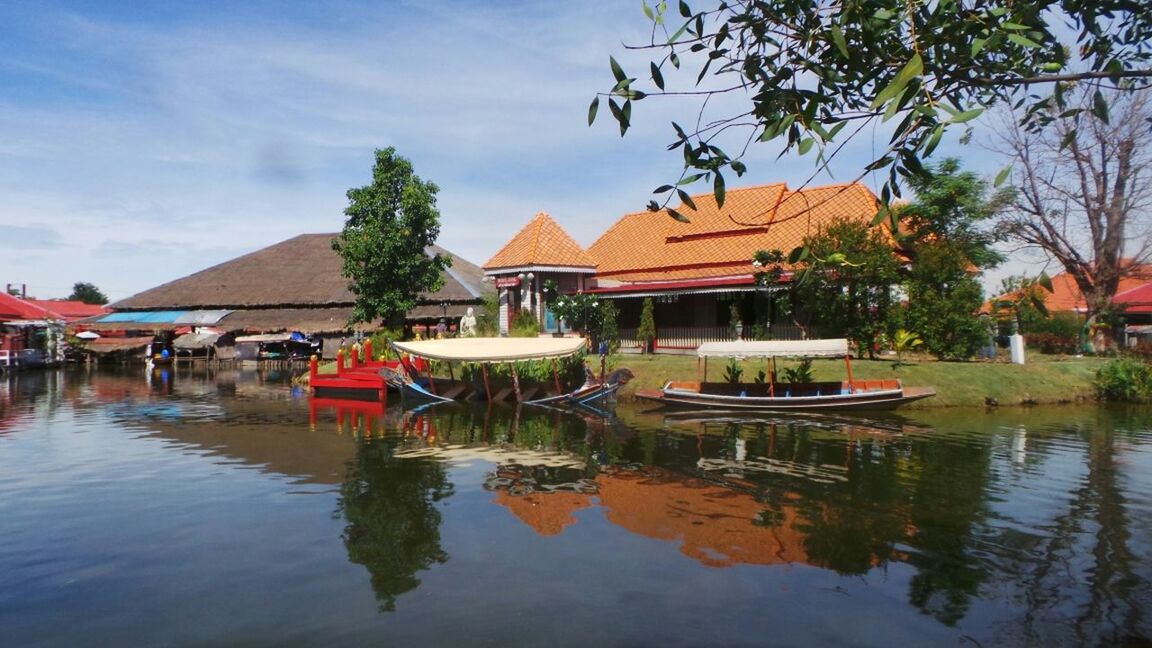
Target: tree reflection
<point>393,521</point>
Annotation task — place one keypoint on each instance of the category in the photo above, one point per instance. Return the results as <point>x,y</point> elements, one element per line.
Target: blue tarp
<point>147,317</point>
<point>190,317</point>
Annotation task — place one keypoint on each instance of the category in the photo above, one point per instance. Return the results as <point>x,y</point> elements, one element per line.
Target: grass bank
<point>1045,379</point>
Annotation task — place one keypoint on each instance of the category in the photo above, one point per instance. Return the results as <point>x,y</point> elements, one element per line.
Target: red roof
<point>68,309</point>
<point>1135,300</point>
<point>14,308</point>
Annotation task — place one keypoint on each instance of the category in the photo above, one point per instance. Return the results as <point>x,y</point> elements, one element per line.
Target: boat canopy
<point>774,348</point>
<point>492,349</point>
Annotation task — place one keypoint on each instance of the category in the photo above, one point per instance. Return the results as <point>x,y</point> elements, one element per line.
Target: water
<point>177,508</point>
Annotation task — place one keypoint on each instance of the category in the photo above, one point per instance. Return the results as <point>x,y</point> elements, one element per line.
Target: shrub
<point>646,333</point>
<point>1125,379</point>
<point>1053,343</point>
<point>733,373</point>
<point>609,326</point>
<point>524,324</point>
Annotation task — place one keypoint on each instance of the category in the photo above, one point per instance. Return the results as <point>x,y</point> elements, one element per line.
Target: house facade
<point>700,274</point>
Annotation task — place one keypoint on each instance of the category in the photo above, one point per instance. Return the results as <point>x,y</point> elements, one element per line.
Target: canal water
<point>191,508</point>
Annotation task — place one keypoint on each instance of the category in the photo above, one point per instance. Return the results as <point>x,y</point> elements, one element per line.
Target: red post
<point>556,377</point>
<point>355,355</point>
<point>368,351</point>
<point>340,361</point>
<point>487,390</point>
<point>851,384</point>
<point>313,369</point>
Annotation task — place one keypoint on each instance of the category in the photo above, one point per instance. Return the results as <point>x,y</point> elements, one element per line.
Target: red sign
<point>507,282</point>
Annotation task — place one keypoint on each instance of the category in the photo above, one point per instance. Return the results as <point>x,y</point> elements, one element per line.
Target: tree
<point>845,295</point>
<point>953,207</point>
<point>818,73</point>
<point>390,225</point>
<point>1083,193</point>
<point>1025,299</point>
<point>943,300</point>
<point>87,293</point>
<point>945,236</point>
<point>646,333</point>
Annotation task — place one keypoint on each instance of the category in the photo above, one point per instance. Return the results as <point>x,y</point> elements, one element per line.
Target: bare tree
<point>1083,191</point>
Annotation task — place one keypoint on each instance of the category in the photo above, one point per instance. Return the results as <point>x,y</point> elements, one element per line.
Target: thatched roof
<point>294,285</point>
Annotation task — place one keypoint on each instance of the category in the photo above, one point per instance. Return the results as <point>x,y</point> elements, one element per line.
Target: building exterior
<point>294,286</point>
<point>700,273</point>
<point>539,253</point>
<point>32,331</point>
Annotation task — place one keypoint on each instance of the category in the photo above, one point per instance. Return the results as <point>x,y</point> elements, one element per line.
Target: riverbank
<point>1044,380</point>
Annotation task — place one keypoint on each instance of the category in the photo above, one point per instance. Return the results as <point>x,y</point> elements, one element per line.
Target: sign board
<point>507,282</point>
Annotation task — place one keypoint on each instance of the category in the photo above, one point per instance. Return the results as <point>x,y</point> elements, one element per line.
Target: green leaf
<point>673,38</point>
<point>647,10</point>
<point>689,179</point>
<point>685,10</point>
<point>617,71</point>
<point>1045,282</point>
<point>1100,107</point>
<point>678,216</point>
<point>1068,138</point>
<point>592,110</point>
<point>805,145</point>
<point>967,115</point>
<point>686,199</point>
<point>718,189</point>
<point>977,46</point>
<point>657,77</point>
<point>797,255</point>
<point>934,140</point>
<point>881,214</point>
<point>1011,26</point>
<point>1023,41</point>
<point>838,39</point>
<point>912,69</point>
<point>1002,177</point>
<point>664,189</point>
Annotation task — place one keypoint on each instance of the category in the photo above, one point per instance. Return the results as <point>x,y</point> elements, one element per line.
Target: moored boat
<point>774,396</point>
<point>485,351</point>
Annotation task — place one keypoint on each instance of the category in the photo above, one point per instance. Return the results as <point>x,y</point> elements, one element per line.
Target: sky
<point>142,142</point>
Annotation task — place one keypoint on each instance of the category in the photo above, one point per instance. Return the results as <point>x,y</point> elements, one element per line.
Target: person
<point>468,324</point>
<point>441,329</point>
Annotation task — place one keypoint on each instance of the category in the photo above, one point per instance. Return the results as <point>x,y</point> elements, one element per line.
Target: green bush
<point>1053,343</point>
<point>1125,379</point>
<point>524,324</point>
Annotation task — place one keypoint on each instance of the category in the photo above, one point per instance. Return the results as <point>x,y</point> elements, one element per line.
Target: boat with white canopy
<point>773,395</point>
<point>485,351</point>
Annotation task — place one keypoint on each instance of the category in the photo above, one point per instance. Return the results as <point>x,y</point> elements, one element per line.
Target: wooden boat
<point>773,396</point>
<point>355,377</point>
<point>496,350</point>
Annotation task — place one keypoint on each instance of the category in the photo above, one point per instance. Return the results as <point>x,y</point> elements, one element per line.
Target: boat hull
<point>862,400</point>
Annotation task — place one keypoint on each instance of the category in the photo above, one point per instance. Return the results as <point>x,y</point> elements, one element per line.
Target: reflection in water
<point>393,524</point>
<point>1026,527</point>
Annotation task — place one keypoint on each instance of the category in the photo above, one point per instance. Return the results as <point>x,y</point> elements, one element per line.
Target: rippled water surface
<point>183,508</point>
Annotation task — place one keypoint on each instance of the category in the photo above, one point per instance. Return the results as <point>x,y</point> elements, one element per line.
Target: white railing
<point>674,339</point>
<point>5,358</point>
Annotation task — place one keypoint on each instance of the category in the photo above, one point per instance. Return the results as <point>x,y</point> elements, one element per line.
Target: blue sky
<point>141,142</point>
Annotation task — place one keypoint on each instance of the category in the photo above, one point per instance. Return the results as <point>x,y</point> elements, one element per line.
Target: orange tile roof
<point>1066,295</point>
<point>720,241</point>
<point>542,242</point>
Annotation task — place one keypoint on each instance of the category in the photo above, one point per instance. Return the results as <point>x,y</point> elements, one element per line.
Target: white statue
<point>468,324</point>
